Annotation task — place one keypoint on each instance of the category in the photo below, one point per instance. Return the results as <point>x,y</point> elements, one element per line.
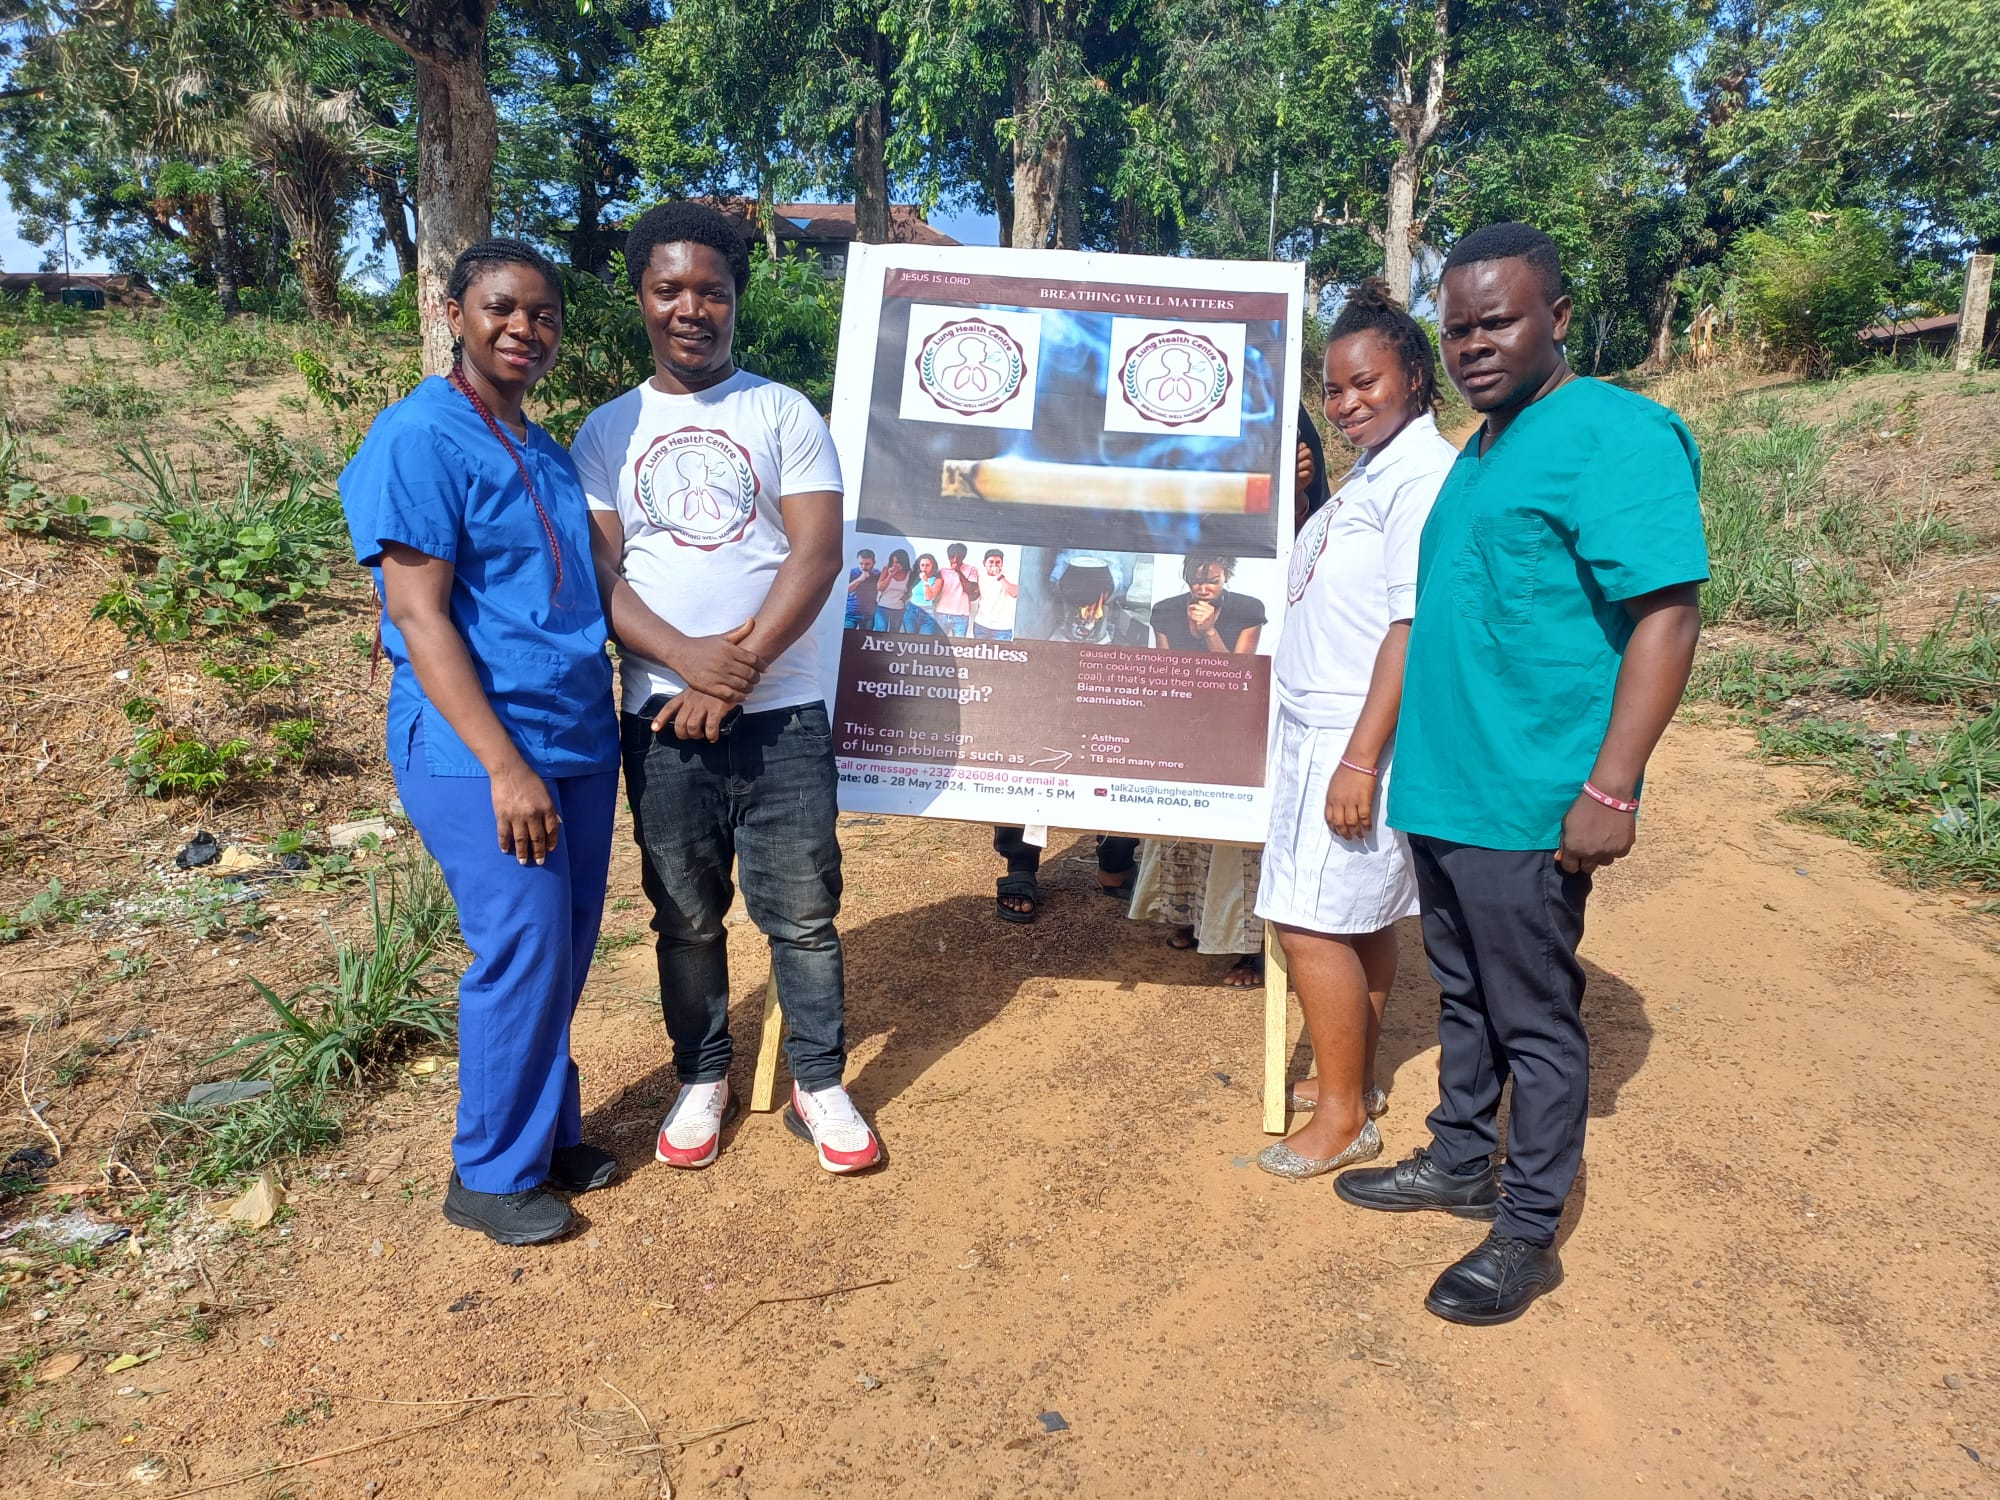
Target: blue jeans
<point>988,633</point>
<point>532,930</point>
<point>918,621</point>
<point>762,796</point>
<point>953,624</point>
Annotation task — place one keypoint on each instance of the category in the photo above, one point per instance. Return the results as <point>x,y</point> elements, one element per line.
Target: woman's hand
<point>1201,617</point>
<point>1350,802</point>
<point>524,813</point>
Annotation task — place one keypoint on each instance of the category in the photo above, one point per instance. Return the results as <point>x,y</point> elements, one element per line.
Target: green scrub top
<point>1589,498</point>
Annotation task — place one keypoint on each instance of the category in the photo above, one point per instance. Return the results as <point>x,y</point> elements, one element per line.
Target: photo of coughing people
<point>1210,616</point>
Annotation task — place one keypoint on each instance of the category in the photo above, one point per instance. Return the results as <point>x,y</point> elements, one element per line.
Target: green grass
<point>383,997</point>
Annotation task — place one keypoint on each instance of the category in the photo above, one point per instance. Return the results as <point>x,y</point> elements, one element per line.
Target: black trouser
<point>1115,856</point>
<point>1501,928</point>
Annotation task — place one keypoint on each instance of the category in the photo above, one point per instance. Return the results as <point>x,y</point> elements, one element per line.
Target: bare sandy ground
<point>1781,1261</point>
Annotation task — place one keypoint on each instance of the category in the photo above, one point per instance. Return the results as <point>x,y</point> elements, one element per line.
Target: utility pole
<point>1972,313</point>
<point>1271,240</point>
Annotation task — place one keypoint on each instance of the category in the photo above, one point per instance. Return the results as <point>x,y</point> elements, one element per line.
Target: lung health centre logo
<point>971,367</point>
<point>1176,377</point>
<point>697,485</point>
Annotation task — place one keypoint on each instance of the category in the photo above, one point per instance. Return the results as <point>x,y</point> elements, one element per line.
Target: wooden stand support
<point>1973,312</point>
<point>765,1081</point>
<point>1277,984</point>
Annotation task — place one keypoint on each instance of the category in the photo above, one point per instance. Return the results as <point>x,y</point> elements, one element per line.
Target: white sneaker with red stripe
<point>691,1135</point>
<point>829,1120</point>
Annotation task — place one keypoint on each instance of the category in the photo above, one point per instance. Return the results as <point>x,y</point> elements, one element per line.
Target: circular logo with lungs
<point>971,367</point>
<point>1307,549</point>
<point>1175,378</point>
<point>697,485</point>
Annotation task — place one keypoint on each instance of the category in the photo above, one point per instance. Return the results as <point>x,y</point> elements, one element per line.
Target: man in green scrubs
<point>1555,625</point>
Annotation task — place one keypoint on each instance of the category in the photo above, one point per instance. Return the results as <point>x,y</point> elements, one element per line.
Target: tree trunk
<point>456,144</point>
<point>1415,113</point>
<point>1396,247</point>
<point>767,214</point>
<point>1041,150</point>
<point>395,227</point>
<point>871,140</point>
<point>1660,324</point>
<point>318,254</point>
<point>1000,183</point>
<point>225,253</point>
<point>1069,210</point>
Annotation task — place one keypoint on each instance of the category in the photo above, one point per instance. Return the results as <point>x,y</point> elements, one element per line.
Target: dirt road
<point>1782,1267</point>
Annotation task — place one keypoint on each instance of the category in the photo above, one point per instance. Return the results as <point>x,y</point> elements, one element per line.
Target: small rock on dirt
<point>867,1382</point>
<point>1052,1421</point>
<point>1953,1383</point>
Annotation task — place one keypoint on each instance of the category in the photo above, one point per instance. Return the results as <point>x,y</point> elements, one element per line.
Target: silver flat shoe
<point>1375,1103</point>
<point>1281,1160</point>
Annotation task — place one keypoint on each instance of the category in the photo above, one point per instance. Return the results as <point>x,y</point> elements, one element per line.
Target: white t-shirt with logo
<point>696,482</point>
<point>1354,573</point>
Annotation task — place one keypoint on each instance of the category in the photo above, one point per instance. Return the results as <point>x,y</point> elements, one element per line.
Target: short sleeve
<point>406,484</point>
<point>1248,613</point>
<point>806,455</point>
<point>586,451</point>
<point>1638,519</point>
<point>1404,512</point>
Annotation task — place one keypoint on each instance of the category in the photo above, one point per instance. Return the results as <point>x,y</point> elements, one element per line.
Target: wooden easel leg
<point>767,1050</point>
<point>1277,983</point>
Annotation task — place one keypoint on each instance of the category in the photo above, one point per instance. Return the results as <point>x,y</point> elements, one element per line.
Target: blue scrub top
<point>432,476</point>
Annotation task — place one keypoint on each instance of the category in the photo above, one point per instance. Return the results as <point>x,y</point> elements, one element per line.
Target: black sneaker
<point>580,1168</point>
<point>1496,1282</point>
<point>529,1217</point>
<point>1418,1183</point>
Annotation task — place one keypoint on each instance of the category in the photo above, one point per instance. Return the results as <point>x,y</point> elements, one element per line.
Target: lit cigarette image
<point>1028,481</point>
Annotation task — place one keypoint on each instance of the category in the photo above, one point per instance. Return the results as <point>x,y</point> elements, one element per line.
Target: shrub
<point>1809,282</point>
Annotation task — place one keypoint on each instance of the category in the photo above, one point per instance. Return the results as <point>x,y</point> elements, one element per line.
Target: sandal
<point>1017,888</point>
<point>1250,968</point>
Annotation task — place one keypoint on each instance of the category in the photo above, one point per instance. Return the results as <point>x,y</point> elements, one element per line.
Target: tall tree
<point>309,146</point>
<point>457,135</point>
<point>1890,103</point>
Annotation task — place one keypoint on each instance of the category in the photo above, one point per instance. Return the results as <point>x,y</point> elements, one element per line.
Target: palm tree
<point>309,146</point>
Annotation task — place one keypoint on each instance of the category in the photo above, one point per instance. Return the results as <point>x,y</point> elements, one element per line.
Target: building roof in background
<point>833,222</point>
<point>1909,328</point>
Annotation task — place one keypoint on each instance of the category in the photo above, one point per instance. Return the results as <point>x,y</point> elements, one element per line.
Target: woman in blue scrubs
<point>502,732</point>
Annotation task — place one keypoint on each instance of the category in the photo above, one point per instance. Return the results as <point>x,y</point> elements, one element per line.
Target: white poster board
<point>1069,518</point>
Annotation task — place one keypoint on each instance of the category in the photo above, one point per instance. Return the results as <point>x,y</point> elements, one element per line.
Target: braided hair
<point>1372,308</point>
<point>475,260</point>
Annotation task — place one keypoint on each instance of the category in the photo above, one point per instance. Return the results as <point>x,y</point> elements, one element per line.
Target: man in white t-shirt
<point>716,508</point>
<point>993,615</point>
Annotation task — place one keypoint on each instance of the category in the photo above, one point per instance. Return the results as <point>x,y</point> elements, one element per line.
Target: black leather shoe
<point>529,1217</point>
<point>580,1168</point>
<point>1418,1183</point>
<point>1496,1282</point>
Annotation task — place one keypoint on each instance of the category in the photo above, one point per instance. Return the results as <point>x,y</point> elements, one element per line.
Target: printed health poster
<point>1070,487</point>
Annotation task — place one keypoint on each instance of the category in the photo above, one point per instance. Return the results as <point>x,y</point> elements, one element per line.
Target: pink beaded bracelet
<point>1616,804</point>
<point>1364,770</point>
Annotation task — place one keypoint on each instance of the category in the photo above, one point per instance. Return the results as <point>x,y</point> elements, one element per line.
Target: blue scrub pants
<point>532,930</point>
